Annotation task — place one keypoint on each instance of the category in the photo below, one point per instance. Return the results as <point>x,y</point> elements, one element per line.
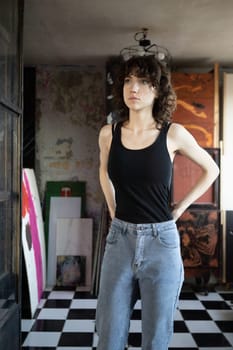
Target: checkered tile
<point>65,320</point>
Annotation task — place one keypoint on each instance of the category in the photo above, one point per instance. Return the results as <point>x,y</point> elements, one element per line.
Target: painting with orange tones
<point>200,237</point>
<point>195,105</point>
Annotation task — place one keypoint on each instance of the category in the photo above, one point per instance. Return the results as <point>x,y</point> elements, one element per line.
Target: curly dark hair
<point>159,76</point>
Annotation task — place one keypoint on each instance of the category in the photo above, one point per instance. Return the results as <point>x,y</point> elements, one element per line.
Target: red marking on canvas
<point>24,201</point>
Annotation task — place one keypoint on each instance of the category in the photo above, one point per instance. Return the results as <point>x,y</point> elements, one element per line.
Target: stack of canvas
<point>69,244</point>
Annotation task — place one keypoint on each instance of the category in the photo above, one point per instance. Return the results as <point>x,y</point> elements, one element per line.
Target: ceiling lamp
<point>144,47</point>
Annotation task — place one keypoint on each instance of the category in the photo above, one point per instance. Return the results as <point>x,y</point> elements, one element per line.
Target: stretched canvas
<point>74,238</point>
<point>33,238</point>
<point>54,189</point>
<point>60,207</point>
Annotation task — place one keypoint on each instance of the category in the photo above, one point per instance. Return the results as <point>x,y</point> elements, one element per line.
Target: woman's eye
<point>127,80</point>
<point>145,81</point>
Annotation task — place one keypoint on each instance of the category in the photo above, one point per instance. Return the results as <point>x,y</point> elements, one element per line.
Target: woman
<point>143,248</point>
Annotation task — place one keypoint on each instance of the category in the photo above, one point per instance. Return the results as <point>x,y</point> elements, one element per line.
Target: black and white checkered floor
<point>65,320</point>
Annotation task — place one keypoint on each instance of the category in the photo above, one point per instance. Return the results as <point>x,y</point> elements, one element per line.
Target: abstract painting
<point>33,238</point>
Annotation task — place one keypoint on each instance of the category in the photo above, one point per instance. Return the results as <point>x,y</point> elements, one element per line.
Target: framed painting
<point>185,175</point>
<point>197,105</point>
<point>200,238</point>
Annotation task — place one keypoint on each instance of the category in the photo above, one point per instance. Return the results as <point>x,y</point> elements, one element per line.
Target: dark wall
<point>29,100</point>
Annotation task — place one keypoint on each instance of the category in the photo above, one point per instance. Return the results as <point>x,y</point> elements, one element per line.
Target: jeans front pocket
<point>112,236</point>
<point>169,236</point>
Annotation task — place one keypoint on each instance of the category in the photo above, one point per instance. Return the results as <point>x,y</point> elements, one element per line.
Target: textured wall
<point>69,113</point>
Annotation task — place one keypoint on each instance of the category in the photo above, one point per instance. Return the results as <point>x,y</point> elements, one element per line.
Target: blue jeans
<point>144,255</point>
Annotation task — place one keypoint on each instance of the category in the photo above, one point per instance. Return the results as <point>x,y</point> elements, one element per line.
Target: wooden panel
<point>195,105</point>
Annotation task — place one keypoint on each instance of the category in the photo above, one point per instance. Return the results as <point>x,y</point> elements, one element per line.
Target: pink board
<point>33,238</point>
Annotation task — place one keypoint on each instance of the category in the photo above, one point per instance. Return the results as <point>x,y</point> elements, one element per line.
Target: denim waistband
<point>142,227</point>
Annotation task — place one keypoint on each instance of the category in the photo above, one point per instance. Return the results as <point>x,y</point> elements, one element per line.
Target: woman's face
<point>138,93</point>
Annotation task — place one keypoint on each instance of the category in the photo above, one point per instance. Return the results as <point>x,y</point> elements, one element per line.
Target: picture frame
<point>185,175</point>
<point>197,102</point>
<point>200,237</point>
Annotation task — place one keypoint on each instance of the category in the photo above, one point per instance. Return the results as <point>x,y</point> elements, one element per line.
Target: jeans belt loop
<point>125,225</point>
<point>154,229</point>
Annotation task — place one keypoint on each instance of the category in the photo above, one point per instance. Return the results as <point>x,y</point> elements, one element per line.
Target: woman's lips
<point>134,98</point>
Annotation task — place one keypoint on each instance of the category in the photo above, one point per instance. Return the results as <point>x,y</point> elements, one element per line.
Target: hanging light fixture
<point>144,47</point>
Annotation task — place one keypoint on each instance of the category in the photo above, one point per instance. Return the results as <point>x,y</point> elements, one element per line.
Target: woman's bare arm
<point>181,141</point>
<point>105,138</point>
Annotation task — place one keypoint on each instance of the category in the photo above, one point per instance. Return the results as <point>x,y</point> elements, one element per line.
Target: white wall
<point>227,144</point>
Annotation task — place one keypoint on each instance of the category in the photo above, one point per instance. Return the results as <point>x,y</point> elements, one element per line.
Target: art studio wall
<point>70,110</point>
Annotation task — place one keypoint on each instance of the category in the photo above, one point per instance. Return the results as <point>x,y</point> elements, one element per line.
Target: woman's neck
<point>140,122</point>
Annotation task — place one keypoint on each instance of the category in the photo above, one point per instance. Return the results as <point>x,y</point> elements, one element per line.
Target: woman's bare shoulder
<point>176,129</point>
<point>105,135</point>
<point>179,133</point>
<point>181,139</point>
<point>106,131</point>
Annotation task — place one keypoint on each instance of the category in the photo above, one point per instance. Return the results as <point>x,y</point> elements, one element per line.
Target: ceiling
<point>71,32</point>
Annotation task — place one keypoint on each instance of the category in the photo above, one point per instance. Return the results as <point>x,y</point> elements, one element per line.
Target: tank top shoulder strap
<point>115,128</point>
<point>115,135</point>
<point>166,128</point>
<point>163,132</point>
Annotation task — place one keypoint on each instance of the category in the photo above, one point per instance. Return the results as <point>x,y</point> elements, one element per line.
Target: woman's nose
<point>134,86</point>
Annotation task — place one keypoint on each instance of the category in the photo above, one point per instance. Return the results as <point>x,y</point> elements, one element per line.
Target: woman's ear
<point>155,91</point>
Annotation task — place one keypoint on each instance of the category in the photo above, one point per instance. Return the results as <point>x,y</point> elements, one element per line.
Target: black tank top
<point>141,179</point>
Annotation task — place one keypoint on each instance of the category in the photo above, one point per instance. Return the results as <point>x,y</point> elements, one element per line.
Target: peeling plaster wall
<point>70,111</point>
